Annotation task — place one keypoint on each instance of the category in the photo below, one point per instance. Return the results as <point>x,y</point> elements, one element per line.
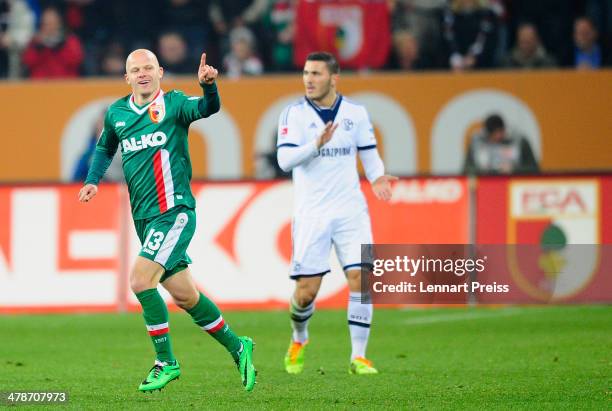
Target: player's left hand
<point>382,187</point>
<point>206,74</point>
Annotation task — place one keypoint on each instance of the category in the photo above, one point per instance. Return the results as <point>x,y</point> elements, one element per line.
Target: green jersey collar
<point>140,110</point>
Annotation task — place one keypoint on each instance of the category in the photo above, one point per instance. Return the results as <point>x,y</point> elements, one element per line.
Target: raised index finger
<point>203,59</point>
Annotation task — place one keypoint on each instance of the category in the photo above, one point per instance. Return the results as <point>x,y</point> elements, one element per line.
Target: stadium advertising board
<point>422,120</point>
<point>564,234</point>
<point>77,256</point>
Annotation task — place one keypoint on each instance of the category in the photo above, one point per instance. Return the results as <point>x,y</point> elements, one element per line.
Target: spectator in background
<point>190,19</point>
<point>529,52</point>
<point>553,18</point>
<point>113,60</point>
<point>279,22</point>
<point>422,19</point>
<point>16,30</point>
<point>227,15</point>
<point>495,150</point>
<point>406,52</point>
<point>173,54</point>
<point>470,32</point>
<point>587,53</point>
<point>98,23</point>
<point>600,13</point>
<point>241,60</point>
<point>52,53</point>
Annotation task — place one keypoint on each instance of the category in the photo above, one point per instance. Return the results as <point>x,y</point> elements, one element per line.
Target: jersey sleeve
<point>106,147</point>
<point>366,146</point>
<point>289,130</point>
<point>108,141</point>
<point>366,140</point>
<point>291,150</point>
<point>192,108</point>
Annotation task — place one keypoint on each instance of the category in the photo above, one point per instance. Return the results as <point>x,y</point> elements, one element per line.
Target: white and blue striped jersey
<point>326,181</point>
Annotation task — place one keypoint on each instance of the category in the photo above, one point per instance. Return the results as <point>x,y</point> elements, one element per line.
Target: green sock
<point>207,315</point>
<point>155,314</point>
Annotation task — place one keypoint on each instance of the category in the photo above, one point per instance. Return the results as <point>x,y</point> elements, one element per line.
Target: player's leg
<point>348,236</point>
<point>163,238</point>
<point>144,278</point>
<point>204,312</point>
<point>310,262</point>
<point>302,307</point>
<point>178,281</point>
<point>359,313</point>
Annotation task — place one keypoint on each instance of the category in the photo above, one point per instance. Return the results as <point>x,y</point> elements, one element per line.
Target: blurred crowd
<point>71,38</point>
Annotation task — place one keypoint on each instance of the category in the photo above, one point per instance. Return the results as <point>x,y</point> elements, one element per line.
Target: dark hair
<point>327,58</point>
<point>493,123</point>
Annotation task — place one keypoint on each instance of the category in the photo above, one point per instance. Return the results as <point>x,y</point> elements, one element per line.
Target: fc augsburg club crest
<point>157,112</point>
<point>556,223</point>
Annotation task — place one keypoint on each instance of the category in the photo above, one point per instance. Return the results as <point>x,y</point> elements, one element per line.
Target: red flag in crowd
<point>356,31</point>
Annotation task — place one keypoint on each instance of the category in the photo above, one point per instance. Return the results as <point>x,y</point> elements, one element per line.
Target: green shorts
<point>165,238</point>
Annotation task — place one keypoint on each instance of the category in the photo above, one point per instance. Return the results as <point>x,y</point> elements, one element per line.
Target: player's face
<point>143,73</point>
<point>318,81</point>
<point>498,135</point>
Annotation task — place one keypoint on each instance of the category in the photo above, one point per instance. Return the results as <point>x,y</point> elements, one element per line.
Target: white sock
<point>299,320</point>
<point>359,320</point>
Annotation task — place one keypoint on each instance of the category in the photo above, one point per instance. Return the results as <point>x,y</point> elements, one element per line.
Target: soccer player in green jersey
<point>150,128</point>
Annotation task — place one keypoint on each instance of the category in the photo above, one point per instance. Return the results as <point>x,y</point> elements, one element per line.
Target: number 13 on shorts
<point>153,241</point>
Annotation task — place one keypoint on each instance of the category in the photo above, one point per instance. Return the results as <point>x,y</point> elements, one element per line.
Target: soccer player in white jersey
<point>319,137</point>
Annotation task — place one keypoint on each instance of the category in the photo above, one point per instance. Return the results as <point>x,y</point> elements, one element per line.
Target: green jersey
<point>154,149</point>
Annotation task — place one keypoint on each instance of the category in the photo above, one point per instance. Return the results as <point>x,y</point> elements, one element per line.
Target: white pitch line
<point>464,316</point>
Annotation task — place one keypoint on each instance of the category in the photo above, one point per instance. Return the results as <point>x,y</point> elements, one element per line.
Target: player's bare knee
<point>304,299</point>
<point>138,285</point>
<point>186,301</point>
<point>353,275</point>
<point>305,295</point>
<point>140,281</point>
<point>353,278</point>
<point>306,289</point>
<point>145,275</point>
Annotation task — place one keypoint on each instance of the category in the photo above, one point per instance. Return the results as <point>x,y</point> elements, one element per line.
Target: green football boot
<point>362,366</point>
<point>159,376</point>
<point>245,363</point>
<point>294,359</point>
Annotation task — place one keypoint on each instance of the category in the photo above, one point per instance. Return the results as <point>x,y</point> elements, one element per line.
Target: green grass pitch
<point>453,358</point>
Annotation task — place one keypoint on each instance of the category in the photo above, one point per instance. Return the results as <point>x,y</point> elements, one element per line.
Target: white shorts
<point>313,237</point>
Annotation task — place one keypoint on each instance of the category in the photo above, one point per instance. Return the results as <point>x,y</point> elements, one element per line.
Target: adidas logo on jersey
<point>145,141</point>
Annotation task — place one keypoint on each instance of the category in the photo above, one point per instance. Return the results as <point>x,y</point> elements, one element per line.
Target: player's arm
<point>102,158</point>
<point>375,173</point>
<point>211,103</point>
<point>292,155</point>
<point>291,151</point>
<point>372,163</point>
<point>194,108</point>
